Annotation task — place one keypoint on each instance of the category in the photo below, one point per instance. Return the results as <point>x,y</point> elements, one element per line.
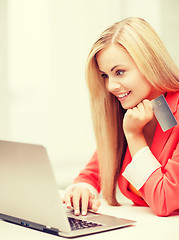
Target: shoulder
<point>171,95</point>
<point>172,99</point>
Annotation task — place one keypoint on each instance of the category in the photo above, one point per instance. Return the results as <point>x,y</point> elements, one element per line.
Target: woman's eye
<point>120,72</point>
<point>104,76</point>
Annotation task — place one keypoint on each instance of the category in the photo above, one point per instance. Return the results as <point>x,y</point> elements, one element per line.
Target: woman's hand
<point>136,118</point>
<point>81,199</point>
<point>134,121</point>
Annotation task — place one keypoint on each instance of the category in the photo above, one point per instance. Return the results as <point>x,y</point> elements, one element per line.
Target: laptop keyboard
<point>77,224</point>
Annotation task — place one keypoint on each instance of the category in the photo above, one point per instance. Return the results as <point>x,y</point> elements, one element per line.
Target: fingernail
<point>84,213</point>
<point>95,208</point>
<point>68,205</point>
<point>76,212</point>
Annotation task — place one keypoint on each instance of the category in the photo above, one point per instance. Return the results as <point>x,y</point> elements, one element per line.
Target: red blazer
<point>161,190</point>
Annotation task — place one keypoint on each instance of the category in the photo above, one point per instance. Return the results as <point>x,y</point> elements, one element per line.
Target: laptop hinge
<point>50,230</point>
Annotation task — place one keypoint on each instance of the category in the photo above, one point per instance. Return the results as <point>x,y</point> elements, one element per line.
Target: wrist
<point>135,142</point>
<point>131,136</point>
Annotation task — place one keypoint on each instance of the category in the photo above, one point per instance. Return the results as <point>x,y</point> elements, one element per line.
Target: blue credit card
<point>163,113</point>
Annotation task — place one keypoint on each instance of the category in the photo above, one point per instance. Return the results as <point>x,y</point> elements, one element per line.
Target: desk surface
<point>148,226</point>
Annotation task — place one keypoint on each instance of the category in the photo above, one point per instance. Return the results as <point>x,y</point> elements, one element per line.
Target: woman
<point>128,67</point>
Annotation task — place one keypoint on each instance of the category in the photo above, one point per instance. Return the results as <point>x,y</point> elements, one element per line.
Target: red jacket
<point>161,190</point>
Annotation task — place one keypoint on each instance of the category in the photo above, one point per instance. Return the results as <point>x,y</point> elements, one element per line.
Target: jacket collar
<point>172,99</point>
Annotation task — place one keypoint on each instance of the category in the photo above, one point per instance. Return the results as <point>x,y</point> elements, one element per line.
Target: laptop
<point>30,196</point>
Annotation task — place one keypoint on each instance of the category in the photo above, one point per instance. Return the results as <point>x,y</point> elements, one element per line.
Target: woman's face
<point>123,78</point>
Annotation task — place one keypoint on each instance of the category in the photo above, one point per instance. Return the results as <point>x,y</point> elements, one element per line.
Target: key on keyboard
<point>77,224</point>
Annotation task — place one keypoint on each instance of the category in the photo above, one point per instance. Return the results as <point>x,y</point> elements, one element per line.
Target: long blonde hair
<point>139,39</point>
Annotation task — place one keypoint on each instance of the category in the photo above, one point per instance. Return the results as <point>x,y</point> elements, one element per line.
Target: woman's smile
<point>123,78</point>
<point>123,96</point>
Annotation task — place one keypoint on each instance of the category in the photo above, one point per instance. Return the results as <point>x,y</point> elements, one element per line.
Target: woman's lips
<point>123,96</point>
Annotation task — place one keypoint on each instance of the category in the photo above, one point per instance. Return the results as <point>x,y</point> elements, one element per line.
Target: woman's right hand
<point>81,199</point>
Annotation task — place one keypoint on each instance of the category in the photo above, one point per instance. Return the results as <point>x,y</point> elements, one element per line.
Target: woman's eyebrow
<point>119,65</point>
<point>112,68</point>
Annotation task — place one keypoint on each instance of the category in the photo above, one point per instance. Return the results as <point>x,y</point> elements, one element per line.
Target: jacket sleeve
<point>90,174</point>
<point>161,190</point>
<point>157,177</point>
<point>159,186</point>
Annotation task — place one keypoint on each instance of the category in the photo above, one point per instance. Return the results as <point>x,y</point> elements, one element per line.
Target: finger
<point>141,111</point>
<point>85,201</point>
<point>95,204</point>
<point>90,202</point>
<point>134,113</point>
<point>76,201</point>
<point>141,107</point>
<point>67,200</point>
<point>129,113</point>
<point>148,108</point>
<point>148,105</point>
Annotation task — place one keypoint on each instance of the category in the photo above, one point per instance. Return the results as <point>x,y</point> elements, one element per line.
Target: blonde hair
<point>139,39</point>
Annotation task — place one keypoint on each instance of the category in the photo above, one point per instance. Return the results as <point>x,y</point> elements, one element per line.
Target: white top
<point>143,164</point>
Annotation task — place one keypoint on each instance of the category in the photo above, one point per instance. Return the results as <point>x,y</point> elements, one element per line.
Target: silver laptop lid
<point>27,185</point>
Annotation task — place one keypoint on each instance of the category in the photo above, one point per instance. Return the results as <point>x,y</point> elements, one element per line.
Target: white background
<point>43,49</point>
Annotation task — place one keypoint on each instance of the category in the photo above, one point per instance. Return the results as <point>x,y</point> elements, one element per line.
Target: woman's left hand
<point>136,118</point>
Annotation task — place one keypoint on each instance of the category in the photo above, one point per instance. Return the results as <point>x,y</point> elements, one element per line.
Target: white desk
<point>148,227</point>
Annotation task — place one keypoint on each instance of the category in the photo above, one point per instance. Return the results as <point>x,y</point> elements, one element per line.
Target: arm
<point>82,195</point>
<point>90,174</point>
<point>158,185</point>
<point>161,190</point>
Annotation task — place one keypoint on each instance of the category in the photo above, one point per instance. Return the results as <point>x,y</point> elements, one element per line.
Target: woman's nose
<point>112,85</point>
